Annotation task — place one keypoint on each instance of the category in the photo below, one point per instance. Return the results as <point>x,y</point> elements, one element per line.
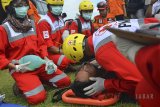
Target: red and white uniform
<point>51,28</point>
<point>147,60</point>
<point>14,45</point>
<point>87,27</point>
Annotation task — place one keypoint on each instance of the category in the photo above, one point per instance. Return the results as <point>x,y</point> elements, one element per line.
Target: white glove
<point>23,67</point>
<point>50,66</point>
<point>96,87</point>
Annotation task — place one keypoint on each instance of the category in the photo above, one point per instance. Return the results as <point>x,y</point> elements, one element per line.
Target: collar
<point>83,20</point>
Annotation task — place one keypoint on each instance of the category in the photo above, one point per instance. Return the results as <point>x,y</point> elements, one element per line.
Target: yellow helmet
<point>73,47</point>
<point>5,3</point>
<point>86,5</point>
<point>55,2</point>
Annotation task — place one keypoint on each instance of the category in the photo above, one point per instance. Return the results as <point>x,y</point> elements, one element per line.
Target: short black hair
<point>77,87</point>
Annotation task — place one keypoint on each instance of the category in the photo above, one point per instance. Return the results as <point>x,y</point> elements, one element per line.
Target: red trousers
<point>148,62</point>
<point>30,83</point>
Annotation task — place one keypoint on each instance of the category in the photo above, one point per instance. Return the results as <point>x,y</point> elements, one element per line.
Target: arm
<point>55,50</point>
<point>73,27</point>
<point>124,8</point>
<point>4,62</point>
<point>149,9</point>
<point>44,30</point>
<point>44,38</point>
<point>118,85</point>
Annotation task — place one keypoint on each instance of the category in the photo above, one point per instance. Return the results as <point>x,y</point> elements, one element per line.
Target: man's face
<point>103,12</point>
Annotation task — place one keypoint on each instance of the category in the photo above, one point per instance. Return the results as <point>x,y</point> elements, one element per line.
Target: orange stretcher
<point>69,97</point>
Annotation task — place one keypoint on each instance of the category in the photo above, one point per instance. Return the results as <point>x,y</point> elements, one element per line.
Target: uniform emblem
<point>70,42</point>
<point>45,34</point>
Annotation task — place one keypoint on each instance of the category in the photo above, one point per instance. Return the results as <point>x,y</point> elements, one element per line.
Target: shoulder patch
<point>45,34</point>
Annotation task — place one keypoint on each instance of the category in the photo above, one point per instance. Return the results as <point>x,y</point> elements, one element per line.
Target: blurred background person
<point>135,8</point>
<point>104,17</point>
<point>117,8</point>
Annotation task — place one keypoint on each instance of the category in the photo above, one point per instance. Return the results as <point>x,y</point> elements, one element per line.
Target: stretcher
<point>69,97</point>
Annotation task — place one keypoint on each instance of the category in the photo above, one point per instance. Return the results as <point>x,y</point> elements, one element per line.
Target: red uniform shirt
<point>51,29</point>
<point>87,27</point>
<point>99,21</point>
<point>15,45</point>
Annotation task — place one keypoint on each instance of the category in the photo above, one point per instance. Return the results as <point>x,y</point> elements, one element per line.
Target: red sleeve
<point>150,20</point>
<point>3,46</point>
<point>41,44</point>
<point>73,27</point>
<point>44,30</point>
<point>117,85</point>
<point>92,25</point>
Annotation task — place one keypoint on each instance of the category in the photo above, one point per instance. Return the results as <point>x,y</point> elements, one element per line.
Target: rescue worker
<point>78,48</point>
<point>83,23</point>
<point>145,57</point>
<point>104,17</point>
<point>117,8</point>
<point>33,12</point>
<point>19,38</point>
<point>51,28</point>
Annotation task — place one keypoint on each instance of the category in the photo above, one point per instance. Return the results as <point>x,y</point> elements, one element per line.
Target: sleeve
<point>3,45</point>
<point>42,43</point>
<point>73,27</point>
<point>44,30</point>
<point>116,85</point>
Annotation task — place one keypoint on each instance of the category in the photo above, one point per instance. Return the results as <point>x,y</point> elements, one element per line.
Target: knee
<point>65,82</point>
<point>36,99</point>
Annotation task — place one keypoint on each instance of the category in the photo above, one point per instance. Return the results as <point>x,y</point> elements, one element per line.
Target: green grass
<point>6,83</point>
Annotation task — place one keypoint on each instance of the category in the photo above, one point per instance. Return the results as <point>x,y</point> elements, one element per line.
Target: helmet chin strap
<point>87,55</point>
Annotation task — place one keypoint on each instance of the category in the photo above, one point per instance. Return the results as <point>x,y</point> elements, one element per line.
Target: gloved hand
<point>22,67</point>
<point>96,87</point>
<point>50,66</point>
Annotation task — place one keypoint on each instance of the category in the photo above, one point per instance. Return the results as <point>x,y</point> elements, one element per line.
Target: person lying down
<point>82,80</point>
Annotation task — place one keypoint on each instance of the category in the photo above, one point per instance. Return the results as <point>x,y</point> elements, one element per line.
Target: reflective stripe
<point>104,41</point>
<point>57,29</point>
<point>60,60</point>
<point>13,36</point>
<point>55,26</point>
<point>58,77</point>
<point>34,91</point>
<point>86,26</point>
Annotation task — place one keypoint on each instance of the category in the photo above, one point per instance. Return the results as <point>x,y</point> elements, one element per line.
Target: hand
<point>22,67</point>
<point>96,87</point>
<point>50,66</point>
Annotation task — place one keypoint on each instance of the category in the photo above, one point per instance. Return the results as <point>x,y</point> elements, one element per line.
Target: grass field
<point>6,83</point>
